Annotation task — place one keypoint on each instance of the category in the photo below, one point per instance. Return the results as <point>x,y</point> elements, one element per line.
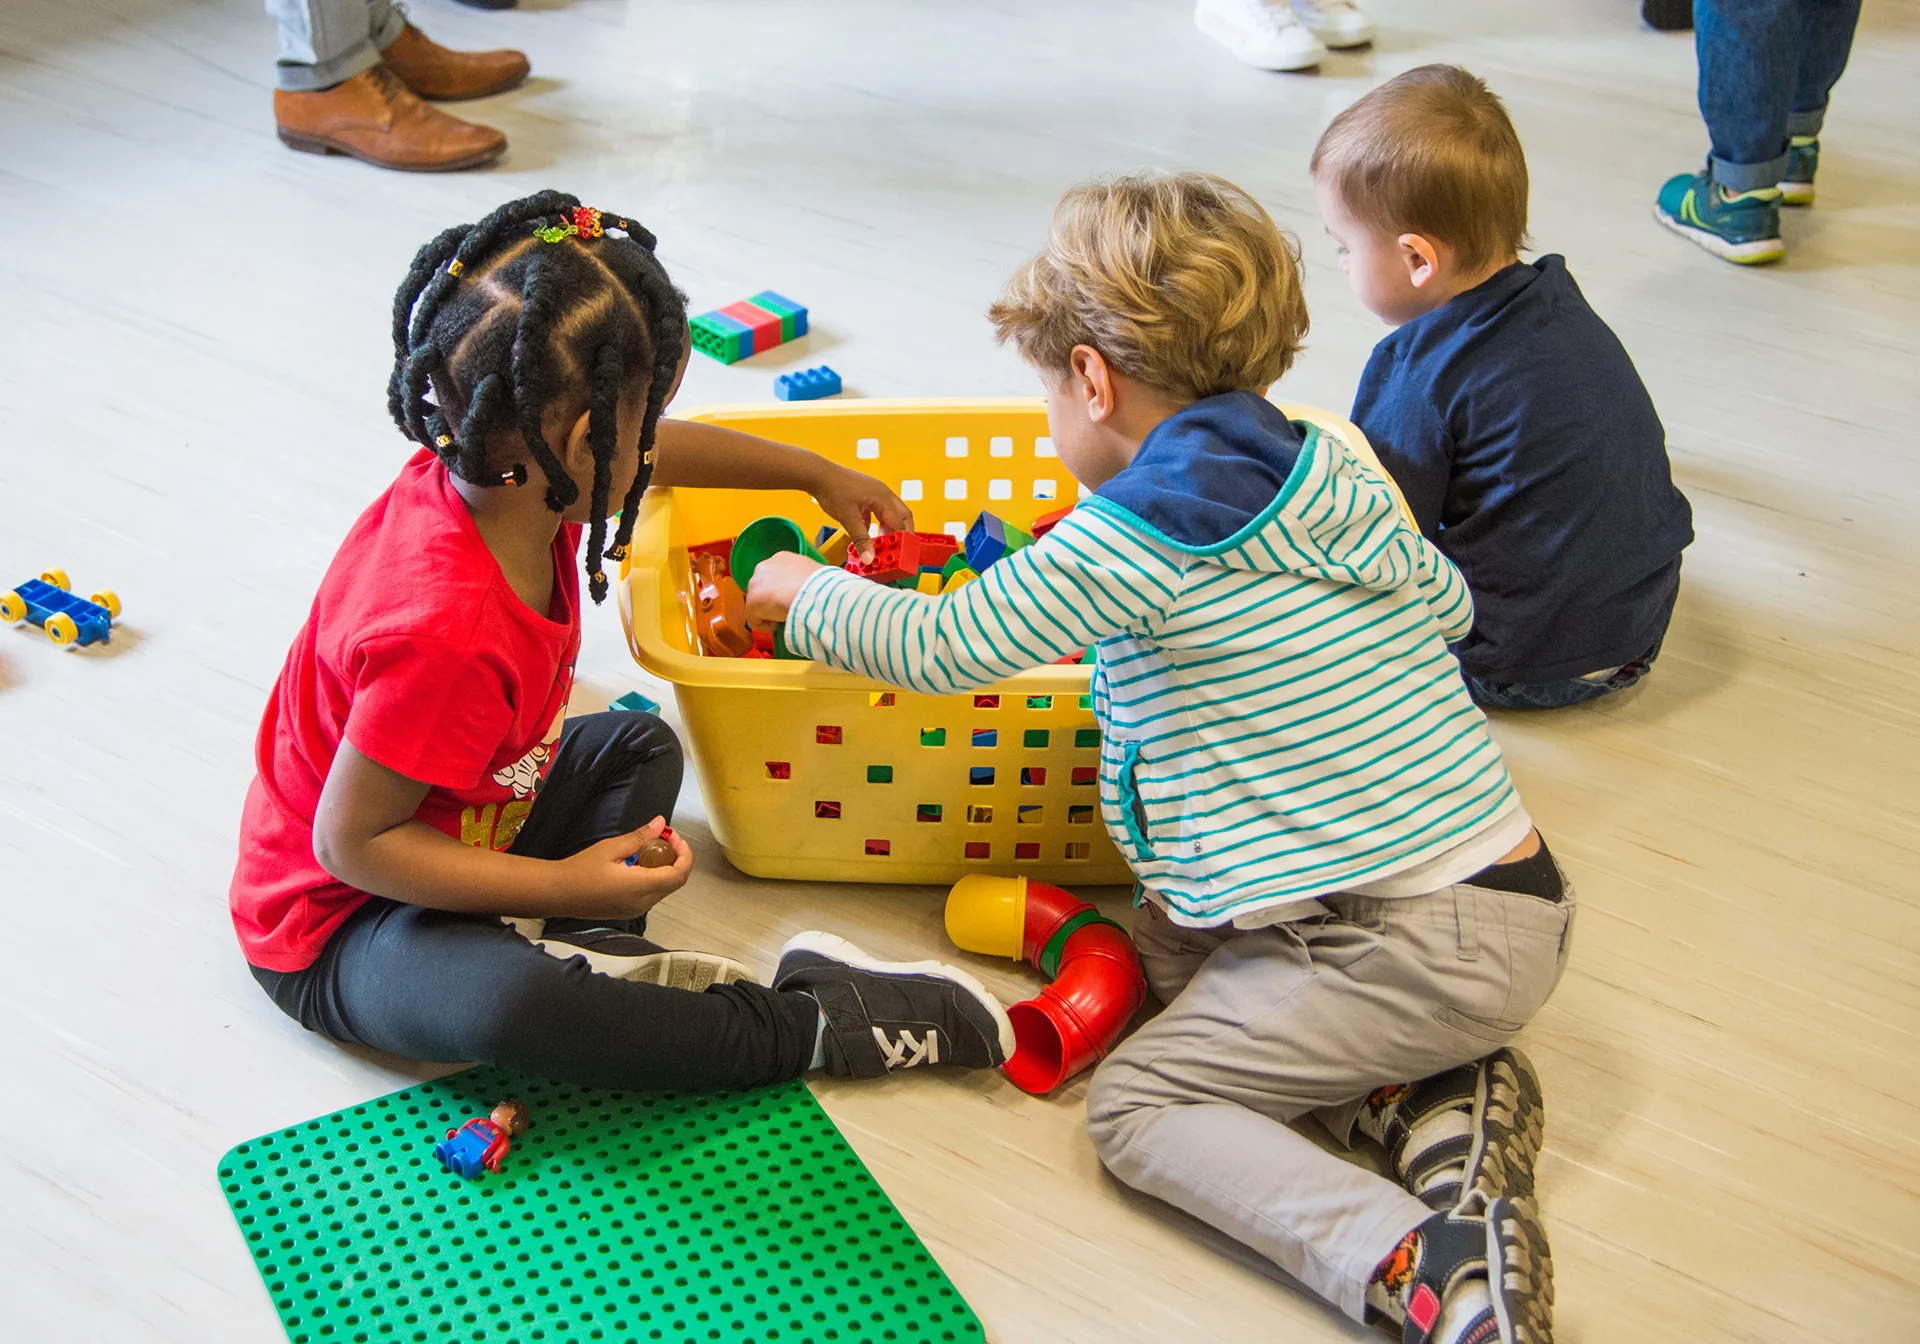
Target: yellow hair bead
<point>444,441</point>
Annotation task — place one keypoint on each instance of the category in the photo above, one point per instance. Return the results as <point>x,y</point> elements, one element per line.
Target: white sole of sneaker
<point>1755,253</point>
<point>836,948</point>
<point>694,971</point>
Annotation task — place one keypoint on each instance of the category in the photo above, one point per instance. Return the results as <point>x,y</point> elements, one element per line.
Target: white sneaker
<point>1335,22</point>
<point>1261,34</point>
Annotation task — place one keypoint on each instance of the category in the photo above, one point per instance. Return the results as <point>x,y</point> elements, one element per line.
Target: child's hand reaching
<point>599,883</point>
<point>850,498</point>
<point>777,581</point>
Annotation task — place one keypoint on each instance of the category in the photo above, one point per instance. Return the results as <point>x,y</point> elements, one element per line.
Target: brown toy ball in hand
<point>655,853</point>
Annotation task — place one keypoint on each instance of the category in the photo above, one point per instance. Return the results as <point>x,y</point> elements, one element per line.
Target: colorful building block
<point>634,703</point>
<point>1047,521</point>
<point>793,318</point>
<point>896,556</point>
<point>748,327</point>
<point>991,539</point>
<point>807,385</point>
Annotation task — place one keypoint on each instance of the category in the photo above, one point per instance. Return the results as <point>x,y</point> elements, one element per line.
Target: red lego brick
<point>896,556</point>
<point>765,325</point>
<point>936,548</point>
<point>1045,523</point>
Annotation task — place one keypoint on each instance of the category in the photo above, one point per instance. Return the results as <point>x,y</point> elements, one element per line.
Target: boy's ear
<point>1422,258</point>
<point>1093,381</point>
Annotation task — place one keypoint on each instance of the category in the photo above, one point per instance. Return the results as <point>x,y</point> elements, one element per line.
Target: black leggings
<point>434,985</point>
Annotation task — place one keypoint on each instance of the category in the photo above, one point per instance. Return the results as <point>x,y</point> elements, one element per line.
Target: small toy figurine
<point>482,1144</point>
<point>723,610</point>
<point>66,619</point>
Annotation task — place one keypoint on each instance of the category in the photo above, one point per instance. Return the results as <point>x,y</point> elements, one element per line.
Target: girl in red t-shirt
<point>433,860</point>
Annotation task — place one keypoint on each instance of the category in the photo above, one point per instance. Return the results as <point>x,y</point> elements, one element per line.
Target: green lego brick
<point>617,1216</point>
<point>721,337</point>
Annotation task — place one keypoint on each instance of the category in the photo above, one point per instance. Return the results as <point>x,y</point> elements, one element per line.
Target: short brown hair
<point>1431,152</point>
<point>1180,280</point>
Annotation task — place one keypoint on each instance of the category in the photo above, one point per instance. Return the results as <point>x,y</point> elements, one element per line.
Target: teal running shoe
<point>1743,227</point>
<point>1803,160</point>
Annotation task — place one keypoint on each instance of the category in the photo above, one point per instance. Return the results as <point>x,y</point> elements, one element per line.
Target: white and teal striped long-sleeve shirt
<point>1281,716</point>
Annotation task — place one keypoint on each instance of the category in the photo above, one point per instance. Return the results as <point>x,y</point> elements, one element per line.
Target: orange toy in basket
<point>723,609</point>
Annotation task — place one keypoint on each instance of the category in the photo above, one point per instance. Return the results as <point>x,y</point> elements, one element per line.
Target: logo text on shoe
<point>903,1052</point>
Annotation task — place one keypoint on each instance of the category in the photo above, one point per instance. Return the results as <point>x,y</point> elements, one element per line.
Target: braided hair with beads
<point>543,303</point>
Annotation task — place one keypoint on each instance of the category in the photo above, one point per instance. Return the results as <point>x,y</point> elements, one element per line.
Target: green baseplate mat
<point>618,1216</point>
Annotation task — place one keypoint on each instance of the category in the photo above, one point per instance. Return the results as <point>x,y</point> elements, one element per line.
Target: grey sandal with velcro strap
<point>1506,1127</point>
<point>1501,1241</point>
<point>1509,1126</point>
<point>1455,1089</point>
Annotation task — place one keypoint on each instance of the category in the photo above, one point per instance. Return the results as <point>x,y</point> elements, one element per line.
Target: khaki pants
<point>1264,1026</point>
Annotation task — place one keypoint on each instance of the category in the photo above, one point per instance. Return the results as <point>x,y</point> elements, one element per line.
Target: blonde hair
<point>1431,152</point>
<point>1180,280</point>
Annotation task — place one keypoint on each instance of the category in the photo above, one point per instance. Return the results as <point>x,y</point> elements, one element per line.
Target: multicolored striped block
<point>748,327</point>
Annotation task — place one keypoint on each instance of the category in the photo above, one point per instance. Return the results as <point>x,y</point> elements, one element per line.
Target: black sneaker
<point>1499,1242</point>
<point>627,956</point>
<point>887,1015</point>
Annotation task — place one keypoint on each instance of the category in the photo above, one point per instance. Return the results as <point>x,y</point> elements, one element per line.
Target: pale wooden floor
<point>192,353</point>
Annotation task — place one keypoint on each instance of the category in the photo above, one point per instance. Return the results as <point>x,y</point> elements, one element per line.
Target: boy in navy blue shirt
<point>1505,409</point>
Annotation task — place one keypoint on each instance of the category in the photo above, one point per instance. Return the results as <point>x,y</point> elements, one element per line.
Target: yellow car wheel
<point>61,629</point>
<point>58,578</point>
<point>13,608</point>
<point>109,601</point>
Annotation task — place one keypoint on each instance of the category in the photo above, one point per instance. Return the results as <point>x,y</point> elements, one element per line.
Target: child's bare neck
<point>518,528</point>
<point>1452,285</point>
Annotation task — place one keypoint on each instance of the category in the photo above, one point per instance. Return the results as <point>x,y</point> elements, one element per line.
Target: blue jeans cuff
<point>1749,176</point>
<point>1806,123</point>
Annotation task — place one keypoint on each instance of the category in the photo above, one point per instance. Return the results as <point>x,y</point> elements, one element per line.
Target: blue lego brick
<point>807,385</point>
<point>635,703</point>
<point>991,539</point>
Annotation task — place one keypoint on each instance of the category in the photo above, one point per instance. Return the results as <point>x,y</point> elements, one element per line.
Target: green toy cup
<point>764,537</point>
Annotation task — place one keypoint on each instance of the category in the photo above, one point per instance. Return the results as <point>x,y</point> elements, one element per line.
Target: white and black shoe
<point>627,956</point>
<point>887,1015</point>
<point>1497,1247</point>
<point>1491,1145</point>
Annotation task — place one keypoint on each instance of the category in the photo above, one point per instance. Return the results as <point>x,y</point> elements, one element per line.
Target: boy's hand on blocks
<point>850,498</point>
<point>600,883</point>
<point>777,581</point>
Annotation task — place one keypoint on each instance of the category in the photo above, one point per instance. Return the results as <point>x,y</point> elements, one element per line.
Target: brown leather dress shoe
<point>375,117</point>
<point>432,71</point>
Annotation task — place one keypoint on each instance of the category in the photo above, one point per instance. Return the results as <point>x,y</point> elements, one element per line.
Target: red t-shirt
<point>419,653</point>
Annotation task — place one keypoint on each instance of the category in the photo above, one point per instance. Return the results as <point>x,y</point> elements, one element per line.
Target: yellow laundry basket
<point>813,773</point>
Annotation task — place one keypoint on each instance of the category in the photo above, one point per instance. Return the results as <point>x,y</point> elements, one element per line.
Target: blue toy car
<point>67,619</point>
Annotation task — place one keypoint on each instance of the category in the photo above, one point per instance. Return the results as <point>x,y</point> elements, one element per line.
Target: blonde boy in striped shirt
<point>1340,889</point>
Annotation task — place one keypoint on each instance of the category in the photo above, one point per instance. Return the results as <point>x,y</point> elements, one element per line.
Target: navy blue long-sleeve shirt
<point>1531,454</point>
